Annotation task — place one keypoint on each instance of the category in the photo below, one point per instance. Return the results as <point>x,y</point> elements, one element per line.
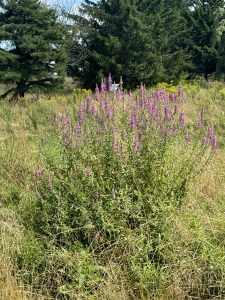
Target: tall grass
<point>114,194</point>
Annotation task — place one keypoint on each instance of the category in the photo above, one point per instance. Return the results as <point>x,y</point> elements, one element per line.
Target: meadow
<point>114,194</point>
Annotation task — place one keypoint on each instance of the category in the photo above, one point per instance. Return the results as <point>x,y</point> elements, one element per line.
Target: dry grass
<point>11,235</point>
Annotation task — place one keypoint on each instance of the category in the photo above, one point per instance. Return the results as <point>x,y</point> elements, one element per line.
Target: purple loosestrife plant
<point>121,83</point>
<point>88,103</point>
<point>180,92</point>
<point>97,97</point>
<point>80,115</point>
<point>129,160</point>
<point>38,173</point>
<point>204,141</point>
<point>166,113</point>
<point>67,131</point>
<point>172,97</point>
<point>182,119</point>
<point>187,138</point>
<point>38,195</point>
<point>109,81</point>
<point>214,144</point>
<point>88,173</point>
<point>176,108</point>
<point>103,87</point>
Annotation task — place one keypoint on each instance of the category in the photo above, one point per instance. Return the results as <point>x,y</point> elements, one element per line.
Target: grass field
<point>114,195</point>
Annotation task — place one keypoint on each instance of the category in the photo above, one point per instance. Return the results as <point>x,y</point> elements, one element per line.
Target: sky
<point>65,2</point>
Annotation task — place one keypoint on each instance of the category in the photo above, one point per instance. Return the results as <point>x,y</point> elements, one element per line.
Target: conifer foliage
<point>140,40</point>
<point>32,48</point>
<point>204,51</point>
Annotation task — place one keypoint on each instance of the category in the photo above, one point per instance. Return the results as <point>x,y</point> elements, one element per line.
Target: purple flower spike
<point>214,143</point>
<point>121,83</point>
<point>38,195</point>
<point>97,98</point>
<point>103,87</point>
<point>180,91</point>
<point>187,138</point>
<point>100,129</point>
<point>109,80</point>
<point>204,141</point>
<point>132,122</point>
<point>210,132</point>
<point>167,113</point>
<point>80,115</point>
<point>38,173</point>
<point>88,102</point>
<point>172,97</point>
<point>182,118</point>
<point>175,108</point>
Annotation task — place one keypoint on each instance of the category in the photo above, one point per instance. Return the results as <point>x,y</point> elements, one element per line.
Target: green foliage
<point>204,51</point>
<point>137,40</point>
<point>32,38</point>
<point>219,30</point>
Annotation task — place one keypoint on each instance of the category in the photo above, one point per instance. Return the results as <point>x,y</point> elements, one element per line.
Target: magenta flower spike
<point>175,108</point>
<point>166,113</point>
<point>103,87</point>
<point>88,173</point>
<point>180,91</point>
<point>38,195</point>
<point>210,132</point>
<point>109,80</point>
<point>130,95</point>
<point>172,97</point>
<point>80,115</point>
<point>88,102</point>
<point>204,141</point>
<point>121,83</point>
<point>214,143</point>
<point>132,122</point>
<point>118,94</point>
<point>38,173</point>
<point>94,110</point>
<point>187,138</point>
<point>97,93</point>
<point>182,118</point>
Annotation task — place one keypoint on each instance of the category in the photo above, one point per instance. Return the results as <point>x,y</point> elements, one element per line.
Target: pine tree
<point>219,38</point>
<point>204,52</point>
<point>117,42</point>
<point>140,40</point>
<point>170,36</point>
<point>33,47</point>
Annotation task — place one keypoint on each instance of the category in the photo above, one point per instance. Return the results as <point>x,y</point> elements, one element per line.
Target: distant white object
<point>114,87</point>
<point>52,64</point>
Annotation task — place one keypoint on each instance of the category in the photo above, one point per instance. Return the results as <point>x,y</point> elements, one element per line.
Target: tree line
<point>147,41</point>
